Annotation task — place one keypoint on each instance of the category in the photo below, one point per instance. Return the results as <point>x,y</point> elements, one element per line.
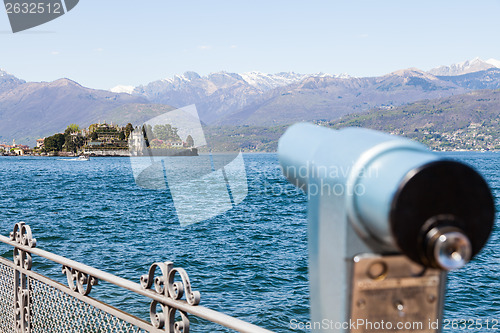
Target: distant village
<point>14,149</point>
<point>103,139</point>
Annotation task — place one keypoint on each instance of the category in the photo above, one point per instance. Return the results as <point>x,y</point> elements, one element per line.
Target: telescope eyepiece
<point>442,214</point>
<point>448,248</point>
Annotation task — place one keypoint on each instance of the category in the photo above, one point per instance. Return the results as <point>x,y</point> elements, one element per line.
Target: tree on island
<point>128,129</point>
<point>190,141</point>
<point>166,132</point>
<point>147,133</point>
<point>72,142</point>
<point>54,142</point>
<point>72,128</point>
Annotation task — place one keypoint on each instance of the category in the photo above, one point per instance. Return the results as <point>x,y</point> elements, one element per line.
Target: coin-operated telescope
<point>387,219</point>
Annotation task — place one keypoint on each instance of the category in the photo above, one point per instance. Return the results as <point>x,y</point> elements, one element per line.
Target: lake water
<point>250,262</point>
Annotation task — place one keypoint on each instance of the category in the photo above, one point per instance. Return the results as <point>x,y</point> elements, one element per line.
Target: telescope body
<point>373,194</point>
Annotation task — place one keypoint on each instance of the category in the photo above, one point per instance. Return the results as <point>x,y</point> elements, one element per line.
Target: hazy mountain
<point>441,114</point>
<point>28,110</point>
<point>258,80</point>
<point>494,62</point>
<point>33,110</point>
<point>219,94</point>
<point>123,89</point>
<point>465,121</point>
<point>259,98</point>
<point>8,81</point>
<point>487,79</point>
<point>264,81</point>
<point>468,66</point>
<point>214,95</point>
<point>329,98</point>
<point>136,113</point>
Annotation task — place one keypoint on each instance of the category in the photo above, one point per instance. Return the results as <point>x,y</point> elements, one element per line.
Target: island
<point>103,139</point>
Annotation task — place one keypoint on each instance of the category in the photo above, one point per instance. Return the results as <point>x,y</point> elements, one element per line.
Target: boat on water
<point>79,158</point>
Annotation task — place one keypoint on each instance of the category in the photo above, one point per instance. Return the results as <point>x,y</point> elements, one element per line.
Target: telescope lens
<point>452,250</point>
<point>443,198</point>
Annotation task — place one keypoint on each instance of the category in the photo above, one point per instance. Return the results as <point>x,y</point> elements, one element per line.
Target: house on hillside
<point>5,149</point>
<point>40,143</point>
<point>21,150</point>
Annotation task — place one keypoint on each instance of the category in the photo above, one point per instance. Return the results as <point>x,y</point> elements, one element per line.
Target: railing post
<point>22,261</point>
<point>165,285</point>
<point>38,303</point>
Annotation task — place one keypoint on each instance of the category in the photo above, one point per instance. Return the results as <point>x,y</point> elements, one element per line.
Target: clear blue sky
<point>104,43</point>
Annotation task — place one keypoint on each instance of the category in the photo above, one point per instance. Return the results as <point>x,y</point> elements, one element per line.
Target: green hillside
<point>470,121</point>
<point>463,122</point>
<point>245,138</point>
<point>136,113</point>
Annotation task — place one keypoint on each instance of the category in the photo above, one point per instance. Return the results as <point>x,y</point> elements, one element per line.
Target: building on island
<point>15,149</point>
<point>160,140</point>
<point>105,140</point>
<point>39,143</point>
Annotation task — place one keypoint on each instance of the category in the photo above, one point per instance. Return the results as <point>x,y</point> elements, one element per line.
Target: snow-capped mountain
<point>220,93</point>
<point>8,81</point>
<point>465,67</point>
<point>234,98</point>
<point>264,81</point>
<point>30,110</point>
<point>258,80</point>
<point>494,62</point>
<point>123,89</point>
<point>251,98</point>
<point>214,94</point>
<point>4,74</point>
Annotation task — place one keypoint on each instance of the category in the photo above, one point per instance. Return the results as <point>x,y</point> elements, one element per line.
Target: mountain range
<point>271,99</point>
<point>465,67</point>
<point>29,110</point>
<point>469,121</point>
<point>8,81</point>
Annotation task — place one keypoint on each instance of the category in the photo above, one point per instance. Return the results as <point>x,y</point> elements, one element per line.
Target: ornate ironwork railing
<point>32,302</point>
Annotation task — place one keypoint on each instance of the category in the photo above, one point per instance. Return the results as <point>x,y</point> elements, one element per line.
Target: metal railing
<point>31,302</point>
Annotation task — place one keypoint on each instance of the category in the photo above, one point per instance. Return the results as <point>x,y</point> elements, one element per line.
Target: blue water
<point>250,263</point>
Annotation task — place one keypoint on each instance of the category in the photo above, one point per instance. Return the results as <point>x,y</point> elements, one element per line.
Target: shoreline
<point>205,153</point>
